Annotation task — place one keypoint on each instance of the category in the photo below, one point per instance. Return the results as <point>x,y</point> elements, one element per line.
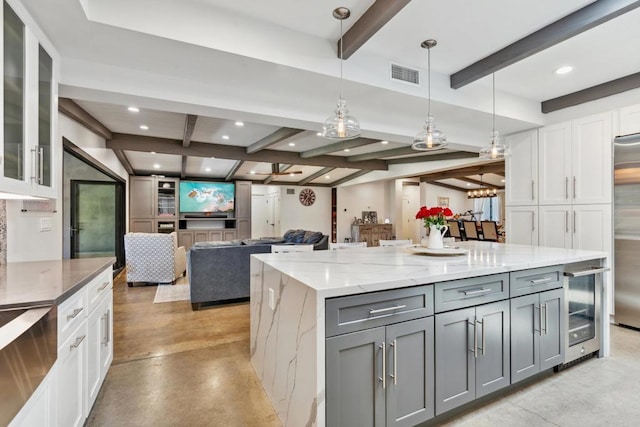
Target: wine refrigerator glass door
<point>581,296</point>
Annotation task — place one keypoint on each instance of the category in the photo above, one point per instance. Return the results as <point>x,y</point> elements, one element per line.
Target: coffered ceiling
<point>196,67</point>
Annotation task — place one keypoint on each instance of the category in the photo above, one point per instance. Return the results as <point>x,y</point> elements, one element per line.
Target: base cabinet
<point>537,338</point>
<point>40,410</point>
<point>381,376</point>
<point>472,354</point>
<point>100,346</point>
<point>71,378</point>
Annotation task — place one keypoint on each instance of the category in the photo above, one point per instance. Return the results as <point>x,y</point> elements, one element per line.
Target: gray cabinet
<point>243,210</point>
<point>153,204</point>
<point>537,341</point>
<point>381,376</point>
<point>472,354</point>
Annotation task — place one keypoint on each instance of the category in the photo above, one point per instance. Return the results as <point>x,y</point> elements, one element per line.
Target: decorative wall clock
<point>307,197</point>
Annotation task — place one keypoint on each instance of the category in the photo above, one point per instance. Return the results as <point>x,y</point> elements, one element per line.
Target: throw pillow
<point>311,237</point>
<point>295,237</point>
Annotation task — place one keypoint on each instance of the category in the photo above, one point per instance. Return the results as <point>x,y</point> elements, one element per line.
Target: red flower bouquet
<point>434,216</point>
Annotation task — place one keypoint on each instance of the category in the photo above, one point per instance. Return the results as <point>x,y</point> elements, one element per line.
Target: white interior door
<point>261,216</point>
<point>410,227</point>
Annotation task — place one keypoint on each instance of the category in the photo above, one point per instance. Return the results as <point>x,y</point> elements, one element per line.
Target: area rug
<point>169,293</point>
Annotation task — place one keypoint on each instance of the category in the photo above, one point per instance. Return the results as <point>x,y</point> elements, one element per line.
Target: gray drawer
<point>357,312</point>
<point>536,280</point>
<point>469,292</point>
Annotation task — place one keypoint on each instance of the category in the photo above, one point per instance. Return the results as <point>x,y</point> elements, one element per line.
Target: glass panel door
<point>45,87</point>
<point>93,219</point>
<point>581,297</point>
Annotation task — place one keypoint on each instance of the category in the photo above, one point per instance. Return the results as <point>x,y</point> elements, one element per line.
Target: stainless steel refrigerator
<point>627,229</point>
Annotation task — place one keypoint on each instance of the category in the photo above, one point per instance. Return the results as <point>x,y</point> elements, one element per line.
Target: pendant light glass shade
<point>429,138</point>
<point>495,150</point>
<point>341,125</point>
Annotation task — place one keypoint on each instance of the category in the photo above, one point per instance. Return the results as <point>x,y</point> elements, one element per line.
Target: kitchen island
<point>305,305</point>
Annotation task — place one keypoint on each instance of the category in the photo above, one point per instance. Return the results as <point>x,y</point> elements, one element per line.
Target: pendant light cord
<point>429,81</point>
<point>341,59</point>
<point>494,106</point>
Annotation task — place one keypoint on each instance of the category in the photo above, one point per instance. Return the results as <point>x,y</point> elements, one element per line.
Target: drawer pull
<point>104,285</point>
<point>384,310</point>
<point>476,291</point>
<point>77,343</point>
<point>542,280</point>
<point>75,313</point>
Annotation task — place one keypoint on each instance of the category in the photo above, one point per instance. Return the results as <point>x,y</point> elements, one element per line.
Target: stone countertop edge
<point>354,271</point>
<point>69,276</point>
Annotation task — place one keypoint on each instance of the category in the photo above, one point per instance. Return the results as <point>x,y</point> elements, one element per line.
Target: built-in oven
<point>583,305</point>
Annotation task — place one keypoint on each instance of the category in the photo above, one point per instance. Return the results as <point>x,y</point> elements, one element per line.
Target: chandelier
<point>482,192</point>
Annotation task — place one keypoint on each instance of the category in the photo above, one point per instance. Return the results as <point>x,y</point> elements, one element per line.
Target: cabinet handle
<point>566,221</point>
<point>474,350</point>
<point>383,310</point>
<point>77,343</point>
<point>533,221</point>
<point>566,188</point>
<point>574,222</point>
<point>105,319</point>
<point>384,366</point>
<point>539,330</point>
<point>40,164</point>
<point>475,291</point>
<point>542,280</point>
<point>533,190</point>
<point>546,318</point>
<point>75,313</point>
<point>395,362</point>
<point>574,188</point>
<point>482,339</point>
<point>104,285</point>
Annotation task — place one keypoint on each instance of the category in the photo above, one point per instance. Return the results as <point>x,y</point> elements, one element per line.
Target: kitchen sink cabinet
<point>472,354</point>
<point>537,338</point>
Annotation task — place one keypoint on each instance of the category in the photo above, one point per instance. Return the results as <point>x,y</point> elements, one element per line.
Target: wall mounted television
<point>202,198</point>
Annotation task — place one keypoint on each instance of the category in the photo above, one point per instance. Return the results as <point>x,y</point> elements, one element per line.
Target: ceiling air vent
<point>408,75</point>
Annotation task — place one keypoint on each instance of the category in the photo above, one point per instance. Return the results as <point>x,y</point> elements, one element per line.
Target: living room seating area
<point>153,258</point>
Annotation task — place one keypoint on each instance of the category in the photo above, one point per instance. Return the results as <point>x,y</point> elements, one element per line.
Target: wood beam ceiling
<point>200,149</point>
<point>402,151</point>
<point>434,157</point>
<point>318,174</point>
<point>349,177</point>
<point>378,14</point>
<point>124,161</point>
<point>584,19</point>
<point>450,187</point>
<point>233,170</point>
<point>189,127</point>
<point>338,146</point>
<point>480,183</point>
<point>276,137</point>
<point>72,110</point>
<point>495,167</point>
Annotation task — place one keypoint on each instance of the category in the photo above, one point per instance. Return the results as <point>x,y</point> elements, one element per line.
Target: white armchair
<point>154,257</point>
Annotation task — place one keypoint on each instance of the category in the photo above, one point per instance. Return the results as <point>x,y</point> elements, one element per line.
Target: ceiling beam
<point>434,157</point>
<point>592,93</point>
<point>75,112</point>
<point>481,183</point>
<point>349,177</point>
<point>189,126</point>
<point>280,135</point>
<point>584,19</point>
<point>124,161</point>
<point>338,146</point>
<point>233,170</point>
<point>464,171</point>
<point>277,170</point>
<point>378,14</point>
<point>402,151</point>
<point>443,185</point>
<point>318,174</point>
<point>201,149</point>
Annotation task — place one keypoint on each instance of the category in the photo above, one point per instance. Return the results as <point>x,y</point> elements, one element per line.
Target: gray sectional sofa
<point>220,271</point>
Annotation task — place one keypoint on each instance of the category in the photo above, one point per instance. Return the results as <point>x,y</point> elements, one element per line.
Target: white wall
<point>458,201</point>
<point>316,217</point>
<point>352,200</point>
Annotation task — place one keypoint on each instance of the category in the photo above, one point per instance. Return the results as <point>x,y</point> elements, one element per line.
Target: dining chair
<point>454,229</point>
<point>354,245</point>
<point>405,242</point>
<point>470,230</point>
<point>489,231</point>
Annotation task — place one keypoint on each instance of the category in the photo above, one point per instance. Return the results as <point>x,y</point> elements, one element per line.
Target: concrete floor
<point>176,367</point>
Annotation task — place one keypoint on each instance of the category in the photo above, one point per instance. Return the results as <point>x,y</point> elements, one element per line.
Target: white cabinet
<point>29,107</point>
<point>522,169</point>
<point>576,226</point>
<point>72,401</point>
<point>575,162</point>
<point>100,346</point>
<point>40,409</point>
<point>629,120</point>
<point>522,225</point>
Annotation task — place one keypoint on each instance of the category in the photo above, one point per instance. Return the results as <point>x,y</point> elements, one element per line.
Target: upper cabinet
<point>629,120</point>
<point>522,169</point>
<point>29,106</point>
<point>575,161</point>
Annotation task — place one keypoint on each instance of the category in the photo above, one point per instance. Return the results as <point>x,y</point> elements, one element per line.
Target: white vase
<point>434,241</point>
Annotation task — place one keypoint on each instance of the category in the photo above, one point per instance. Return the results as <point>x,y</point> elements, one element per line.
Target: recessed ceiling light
<point>212,157</point>
<point>239,123</point>
<point>468,185</point>
<point>502,180</point>
<point>327,177</point>
<point>384,142</point>
<point>346,150</point>
<point>134,109</point>
<point>292,144</point>
<point>564,69</point>
<point>292,174</point>
<point>319,133</point>
<point>225,136</point>
<point>207,169</point>
<point>156,166</point>
<point>144,127</point>
<point>153,152</point>
<point>252,172</point>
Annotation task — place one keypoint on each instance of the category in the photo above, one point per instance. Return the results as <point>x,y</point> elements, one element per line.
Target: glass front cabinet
<point>29,106</point>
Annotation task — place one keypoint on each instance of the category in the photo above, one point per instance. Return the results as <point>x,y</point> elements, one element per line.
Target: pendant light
<point>341,125</point>
<point>495,150</point>
<point>482,192</point>
<point>429,138</point>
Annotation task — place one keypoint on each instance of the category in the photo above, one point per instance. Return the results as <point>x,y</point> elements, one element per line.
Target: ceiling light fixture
<point>144,127</point>
<point>564,69</point>
<point>327,177</point>
<point>292,144</point>
<point>384,142</point>
<point>482,192</point>
<point>156,166</point>
<point>225,136</point>
<point>252,172</point>
<point>346,150</point>
<point>134,109</point>
<point>153,152</point>
<point>341,126</point>
<point>430,138</point>
<point>495,150</point>
<point>239,123</point>
<point>207,169</point>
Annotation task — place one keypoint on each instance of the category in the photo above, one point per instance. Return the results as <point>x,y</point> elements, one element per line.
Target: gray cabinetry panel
<point>410,372</point>
<point>535,280</point>
<point>355,396</point>
<point>552,340</point>
<point>470,292</point>
<point>455,365</point>
<point>493,367</point>
<point>142,201</point>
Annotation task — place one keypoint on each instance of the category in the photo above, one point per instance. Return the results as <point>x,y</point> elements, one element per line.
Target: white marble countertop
<point>46,282</point>
<point>352,271</point>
